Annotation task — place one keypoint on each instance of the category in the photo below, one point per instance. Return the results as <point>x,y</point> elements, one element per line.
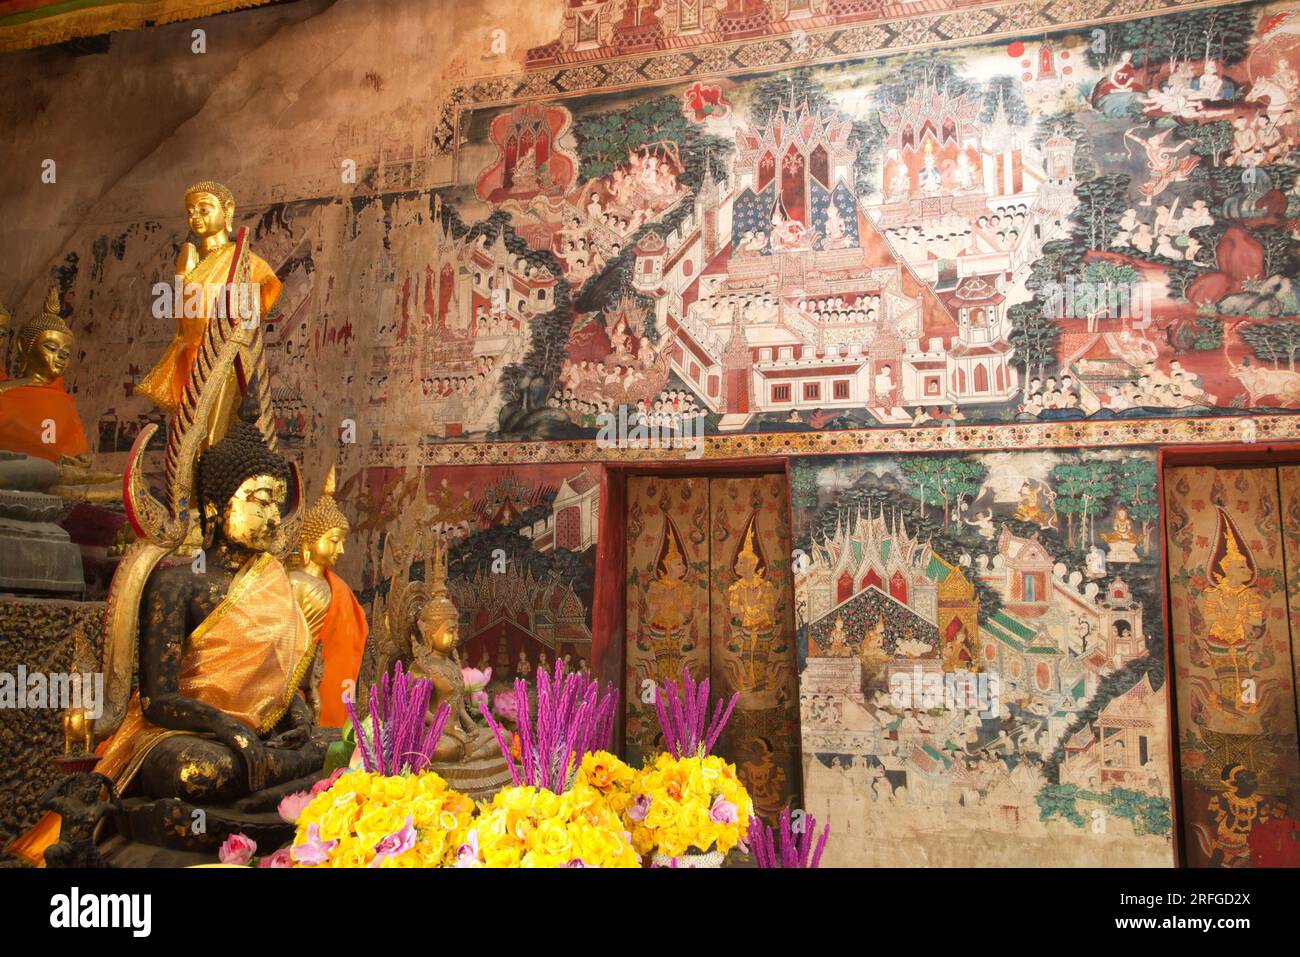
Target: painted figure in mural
<point>433,649</point>
<point>764,778</point>
<point>1234,613</point>
<point>1236,809</point>
<point>668,608</point>
<point>1122,539</point>
<point>205,274</point>
<point>752,600</point>
<point>337,622</point>
<point>1165,169</point>
<point>839,648</point>
<point>958,654</point>
<point>1036,504</point>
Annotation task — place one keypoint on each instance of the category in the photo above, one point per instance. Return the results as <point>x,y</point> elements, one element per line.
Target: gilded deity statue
<point>752,600</point>
<point>1234,613</point>
<point>668,606</point>
<point>434,656</point>
<point>335,617</point>
<point>215,279</point>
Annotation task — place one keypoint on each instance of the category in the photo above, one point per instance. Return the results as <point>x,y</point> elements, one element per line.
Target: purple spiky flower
<point>794,848</point>
<point>573,719</point>
<point>684,719</point>
<point>399,743</point>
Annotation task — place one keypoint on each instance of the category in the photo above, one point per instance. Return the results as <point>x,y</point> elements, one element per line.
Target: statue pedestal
<point>36,555</point>
<point>1122,552</point>
<point>478,779</point>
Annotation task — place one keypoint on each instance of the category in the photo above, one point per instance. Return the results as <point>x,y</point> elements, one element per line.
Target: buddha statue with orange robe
<point>37,416</point>
<point>205,278</point>
<point>336,619</point>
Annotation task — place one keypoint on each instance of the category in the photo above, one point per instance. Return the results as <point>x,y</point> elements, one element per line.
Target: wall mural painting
<point>1086,224</point>
<point>982,658</point>
<point>521,564</point>
<point>1232,550</point>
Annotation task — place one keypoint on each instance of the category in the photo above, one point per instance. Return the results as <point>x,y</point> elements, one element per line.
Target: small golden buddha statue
<point>333,614</point>
<point>204,274</point>
<point>433,648</point>
<point>38,418</point>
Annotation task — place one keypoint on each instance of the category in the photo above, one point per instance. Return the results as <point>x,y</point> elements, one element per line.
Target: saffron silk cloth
<point>31,413</point>
<point>342,639</point>
<point>246,658</point>
<point>165,382</point>
<point>32,23</point>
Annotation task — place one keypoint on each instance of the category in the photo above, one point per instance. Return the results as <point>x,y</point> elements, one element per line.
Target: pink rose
<point>313,850</point>
<point>324,784</point>
<point>395,844</point>
<point>291,806</point>
<point>281,858</point>
<point>638,810</point>
<point>723,811</point>
<point>237,849</point>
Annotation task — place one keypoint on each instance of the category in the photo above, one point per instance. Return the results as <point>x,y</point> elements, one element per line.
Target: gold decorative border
<point>1210,430</point>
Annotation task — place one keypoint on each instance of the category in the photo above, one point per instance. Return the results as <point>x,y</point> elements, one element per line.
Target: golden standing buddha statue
<point>206,274</point>
<point>336,619</point>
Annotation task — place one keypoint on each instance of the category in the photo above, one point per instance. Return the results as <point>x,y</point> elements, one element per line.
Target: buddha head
<point>241,487</point>
<point>324,531</point>
<point>209,209</point>
<point>45,343</point>
<point>439,620</point>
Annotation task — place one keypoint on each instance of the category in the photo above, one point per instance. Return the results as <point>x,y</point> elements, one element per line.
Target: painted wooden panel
<point>667,595</point>
<point>1234,671</point>
<point>752,638</point>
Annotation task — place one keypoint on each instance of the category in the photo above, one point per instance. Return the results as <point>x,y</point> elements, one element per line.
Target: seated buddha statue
<point>217,715</point>
<point>335,618</point>
<point>37,416</point>
<point>222,652</point>
<point>433,651</point>
<point>205,274</point>
<point>1122,539</point>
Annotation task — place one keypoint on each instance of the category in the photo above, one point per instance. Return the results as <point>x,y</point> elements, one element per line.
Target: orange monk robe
<point>165,383</point>
<point>29,414</point>
<point>247,659</point>
<point>342,638</point>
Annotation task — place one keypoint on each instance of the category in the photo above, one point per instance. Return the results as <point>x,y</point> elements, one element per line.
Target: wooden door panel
<point>752,635</point>
<point>1234,676</point>
<point>667,595</point>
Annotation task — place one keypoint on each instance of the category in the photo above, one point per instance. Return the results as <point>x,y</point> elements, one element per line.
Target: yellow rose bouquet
<point>608,776</point>
<point>688,805</point>
<point>689,802</point>
<point>526,826</point>
<point>376,820</point>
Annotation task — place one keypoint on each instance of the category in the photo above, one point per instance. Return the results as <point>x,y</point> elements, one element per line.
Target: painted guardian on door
<point>982,667</point>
